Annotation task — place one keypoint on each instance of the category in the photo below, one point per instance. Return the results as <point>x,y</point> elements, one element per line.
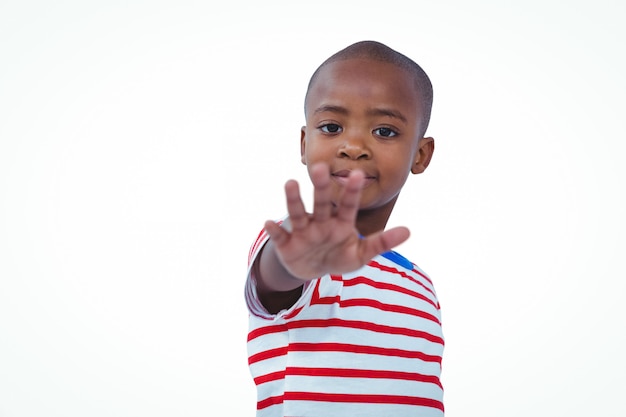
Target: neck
<point>374,220</point>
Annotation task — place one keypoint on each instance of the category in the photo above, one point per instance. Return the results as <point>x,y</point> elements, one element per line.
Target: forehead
<point>371,82</point>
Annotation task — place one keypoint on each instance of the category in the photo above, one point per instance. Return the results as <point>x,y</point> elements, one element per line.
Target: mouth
<point>341,177</point>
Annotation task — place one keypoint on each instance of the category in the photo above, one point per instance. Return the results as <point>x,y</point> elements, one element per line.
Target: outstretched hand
<point>327,240</point>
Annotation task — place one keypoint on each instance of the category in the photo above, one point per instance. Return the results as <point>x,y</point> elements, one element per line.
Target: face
<point>364,114</point>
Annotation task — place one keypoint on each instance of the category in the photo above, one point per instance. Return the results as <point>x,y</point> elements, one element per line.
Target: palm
<point>327,241</point>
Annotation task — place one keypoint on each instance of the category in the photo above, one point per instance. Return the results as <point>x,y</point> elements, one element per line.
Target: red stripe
<point>255,245</point>
<point>260,238</point>
<point>420,273</point>
<point>352,324</point>
<point>365,325</point>
<point>269,401</point>
<point>360,373</point>
<point>386,286</point>
<point>369,350</point>
<point>366,302</point>
<point>273,376</point>
<point>261,331</point>
<point>293,314</point>
<point>385,268</point>
<point>316,298</point>
<point>363,398</point>
<point>267,354</point>
<point>423,275</point>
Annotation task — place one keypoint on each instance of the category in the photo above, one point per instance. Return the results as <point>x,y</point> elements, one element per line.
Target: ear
<point>425,150</point>
<point>302,144</point>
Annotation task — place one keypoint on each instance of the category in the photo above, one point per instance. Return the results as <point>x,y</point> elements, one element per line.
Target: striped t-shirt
<point>365,343</point>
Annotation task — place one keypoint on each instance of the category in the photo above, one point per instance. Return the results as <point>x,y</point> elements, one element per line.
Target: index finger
<point>295,207</point>
<point>322,196</point>
<point>348,204</point>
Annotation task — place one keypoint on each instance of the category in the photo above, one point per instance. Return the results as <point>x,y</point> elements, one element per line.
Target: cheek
<point>314,152</point>
<point>396,164</point>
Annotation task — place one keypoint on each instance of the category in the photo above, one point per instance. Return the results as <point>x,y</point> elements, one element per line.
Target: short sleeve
<point>255,307</point>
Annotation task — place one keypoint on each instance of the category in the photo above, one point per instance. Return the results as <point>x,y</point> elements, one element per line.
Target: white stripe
<point>336,385</point>
<point>313,408</point>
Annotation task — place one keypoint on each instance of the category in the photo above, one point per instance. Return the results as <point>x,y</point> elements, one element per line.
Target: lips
<point>341,177</point>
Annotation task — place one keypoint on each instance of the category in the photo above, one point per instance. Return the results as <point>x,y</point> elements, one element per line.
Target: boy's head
<point>367,108</point>
<point>376,51</point>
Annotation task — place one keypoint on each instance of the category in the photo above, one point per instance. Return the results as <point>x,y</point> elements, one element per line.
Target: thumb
<point>383,241</point>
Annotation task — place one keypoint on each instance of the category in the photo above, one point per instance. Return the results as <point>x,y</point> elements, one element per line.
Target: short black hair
<point>380,52</point>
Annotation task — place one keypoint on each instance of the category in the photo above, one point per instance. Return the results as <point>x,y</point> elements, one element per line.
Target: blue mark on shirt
<point>395,257</point>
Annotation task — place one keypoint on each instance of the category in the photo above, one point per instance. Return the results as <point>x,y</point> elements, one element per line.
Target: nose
<point>354,147</point>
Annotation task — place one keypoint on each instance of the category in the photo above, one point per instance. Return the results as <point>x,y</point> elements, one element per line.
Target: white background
<point>143,144</point>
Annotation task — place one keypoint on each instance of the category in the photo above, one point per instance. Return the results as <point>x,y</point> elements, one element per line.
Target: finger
<point>322,195</point>
<point>276,233</point>
<point>348,204</point>
<point>295,207</point>
<point>382,242</point>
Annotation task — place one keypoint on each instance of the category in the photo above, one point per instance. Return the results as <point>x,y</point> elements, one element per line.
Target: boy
<point>340,325</point>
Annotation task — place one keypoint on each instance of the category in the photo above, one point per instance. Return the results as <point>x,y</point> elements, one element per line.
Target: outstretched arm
<point>325,241</point>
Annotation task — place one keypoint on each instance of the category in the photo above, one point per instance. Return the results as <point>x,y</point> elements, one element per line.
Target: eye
<point>385,132</point>
<point>330,128</point>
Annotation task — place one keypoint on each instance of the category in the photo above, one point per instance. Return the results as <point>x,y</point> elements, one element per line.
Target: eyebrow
<point>331,108</point>
<point>386,112</point>
<point>377,111</point>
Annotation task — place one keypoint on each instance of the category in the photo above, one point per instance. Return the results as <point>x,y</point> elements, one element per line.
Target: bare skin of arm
<point>323,242</point>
